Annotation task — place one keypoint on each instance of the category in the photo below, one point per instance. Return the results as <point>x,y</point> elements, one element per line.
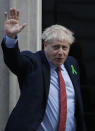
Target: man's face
<point>56,51</point>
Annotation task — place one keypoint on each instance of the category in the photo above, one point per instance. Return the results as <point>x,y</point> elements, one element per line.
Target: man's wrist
<point>10,42</point>
<point>12,36</point>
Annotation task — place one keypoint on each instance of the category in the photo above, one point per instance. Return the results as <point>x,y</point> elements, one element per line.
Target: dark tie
<point>63,103</point>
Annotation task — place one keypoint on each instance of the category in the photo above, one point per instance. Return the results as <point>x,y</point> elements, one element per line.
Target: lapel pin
<point>73,70</point>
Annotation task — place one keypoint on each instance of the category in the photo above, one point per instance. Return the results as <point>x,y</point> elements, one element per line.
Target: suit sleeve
<point>14,59</point>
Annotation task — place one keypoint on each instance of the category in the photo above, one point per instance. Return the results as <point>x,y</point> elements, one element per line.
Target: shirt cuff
<point>9,42</point>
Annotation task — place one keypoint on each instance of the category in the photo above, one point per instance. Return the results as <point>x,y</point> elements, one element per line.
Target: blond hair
<point>58,32</point>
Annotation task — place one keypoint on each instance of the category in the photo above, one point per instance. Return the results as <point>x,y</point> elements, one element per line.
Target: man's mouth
<point>59,59</point>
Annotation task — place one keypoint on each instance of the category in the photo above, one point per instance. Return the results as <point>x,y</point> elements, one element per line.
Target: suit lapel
<point>74,77</point>
<point>46,74</point>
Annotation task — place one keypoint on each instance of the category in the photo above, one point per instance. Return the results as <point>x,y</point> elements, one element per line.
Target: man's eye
<point>64,47</point>
<point>56,47</point>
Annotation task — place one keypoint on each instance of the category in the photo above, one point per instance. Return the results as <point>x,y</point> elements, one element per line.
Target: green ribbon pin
<point>73,70</point>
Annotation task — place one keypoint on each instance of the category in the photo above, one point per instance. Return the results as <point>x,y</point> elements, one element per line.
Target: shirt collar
<point>62,67</point>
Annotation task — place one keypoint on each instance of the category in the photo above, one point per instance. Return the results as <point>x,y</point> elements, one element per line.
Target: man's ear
<point>45,44</point>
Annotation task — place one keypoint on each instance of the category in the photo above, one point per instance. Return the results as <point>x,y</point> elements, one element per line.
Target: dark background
<point>78,16</point>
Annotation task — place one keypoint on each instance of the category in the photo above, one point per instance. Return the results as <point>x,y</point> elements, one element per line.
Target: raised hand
<point>12,27</point>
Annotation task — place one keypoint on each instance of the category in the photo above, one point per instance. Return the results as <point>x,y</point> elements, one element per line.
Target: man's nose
<point>60,51</point>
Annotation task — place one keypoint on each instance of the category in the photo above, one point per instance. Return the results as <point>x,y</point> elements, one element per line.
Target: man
<point>41,103</point>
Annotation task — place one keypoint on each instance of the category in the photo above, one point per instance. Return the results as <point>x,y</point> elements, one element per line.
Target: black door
<point>79,16</point>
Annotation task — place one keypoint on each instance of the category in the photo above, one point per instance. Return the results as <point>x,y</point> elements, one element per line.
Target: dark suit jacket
<point>33,73</point>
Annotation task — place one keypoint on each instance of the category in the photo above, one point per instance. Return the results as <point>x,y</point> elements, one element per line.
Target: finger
<point>22,27</point>
<point>12,13</point>
<point>18,14</point>
<point>6,16</point>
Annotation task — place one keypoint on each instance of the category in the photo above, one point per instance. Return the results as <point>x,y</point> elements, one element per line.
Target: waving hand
<point>12,27</point>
